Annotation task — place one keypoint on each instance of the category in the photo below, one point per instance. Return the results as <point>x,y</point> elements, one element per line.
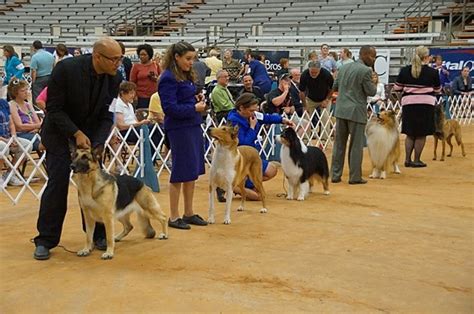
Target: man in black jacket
<point>80,91</point>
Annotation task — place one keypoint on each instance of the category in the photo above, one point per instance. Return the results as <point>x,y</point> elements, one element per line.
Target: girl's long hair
<point>169,61</point>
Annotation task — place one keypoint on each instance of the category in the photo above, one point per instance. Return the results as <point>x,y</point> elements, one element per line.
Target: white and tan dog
<point>231,164</point>
<point>383,142</point>
<point>103,197</point>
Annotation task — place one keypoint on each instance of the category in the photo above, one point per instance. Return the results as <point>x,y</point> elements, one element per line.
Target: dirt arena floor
<point>404,244</point>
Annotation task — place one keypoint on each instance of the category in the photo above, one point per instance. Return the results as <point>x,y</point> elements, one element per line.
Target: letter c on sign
<point>381,66</point>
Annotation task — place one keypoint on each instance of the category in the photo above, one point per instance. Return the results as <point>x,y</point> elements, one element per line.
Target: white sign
<point>382,63</point>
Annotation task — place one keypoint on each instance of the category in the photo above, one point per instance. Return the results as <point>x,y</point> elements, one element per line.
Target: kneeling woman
<point>249,126</point>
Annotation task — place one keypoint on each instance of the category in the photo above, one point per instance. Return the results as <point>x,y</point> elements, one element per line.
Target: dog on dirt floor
<point>445,130</point>
<point>302,165</point>
<point>231,165</point>
<point>104,197</point>
<point>383,142</point>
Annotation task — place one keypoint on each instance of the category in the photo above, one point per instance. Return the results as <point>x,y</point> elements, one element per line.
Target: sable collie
<point>445,130</point>
<point>302,165</point>
<point>383,141</point>
<point>103,197</point>
<point>231,165</point>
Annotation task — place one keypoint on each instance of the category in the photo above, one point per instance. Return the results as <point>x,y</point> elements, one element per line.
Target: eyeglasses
<point>114,60</point>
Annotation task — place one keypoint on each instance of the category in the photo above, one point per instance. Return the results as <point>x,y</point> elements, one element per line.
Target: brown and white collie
<point>383,141</point>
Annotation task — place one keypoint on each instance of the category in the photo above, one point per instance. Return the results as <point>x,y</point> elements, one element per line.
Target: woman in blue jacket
<point>13,66</point>
<point>183,127</point>
<point>259,73</point>
<point>244,115</point>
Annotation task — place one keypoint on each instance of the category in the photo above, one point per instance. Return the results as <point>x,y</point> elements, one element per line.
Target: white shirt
<point>379,95</point>
<point>119,106</point>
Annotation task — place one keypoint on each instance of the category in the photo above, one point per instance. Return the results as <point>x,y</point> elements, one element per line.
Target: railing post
<point>169,12</point>
<point>463,21</point>
<point>450,25</point>
<point>153,21</point>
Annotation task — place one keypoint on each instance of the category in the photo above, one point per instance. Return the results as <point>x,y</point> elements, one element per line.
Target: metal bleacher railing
<point>124,157</point>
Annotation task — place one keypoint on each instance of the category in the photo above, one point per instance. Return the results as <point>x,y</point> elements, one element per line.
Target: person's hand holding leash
<point>200,106</point>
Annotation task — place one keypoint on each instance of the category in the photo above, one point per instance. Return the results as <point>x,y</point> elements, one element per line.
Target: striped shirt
<point>421,90</point>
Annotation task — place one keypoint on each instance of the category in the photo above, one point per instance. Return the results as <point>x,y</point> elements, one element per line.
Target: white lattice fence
<point>126,157</point>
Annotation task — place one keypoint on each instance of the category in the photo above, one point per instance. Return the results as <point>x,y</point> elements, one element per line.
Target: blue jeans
<point>29,136</point>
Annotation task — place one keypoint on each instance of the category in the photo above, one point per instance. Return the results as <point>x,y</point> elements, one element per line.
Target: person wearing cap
<point>316,94</point>
<point>279,99</point>
<point>41,66</point>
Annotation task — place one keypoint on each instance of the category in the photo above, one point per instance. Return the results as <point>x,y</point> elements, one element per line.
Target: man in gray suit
<point>354,85</point>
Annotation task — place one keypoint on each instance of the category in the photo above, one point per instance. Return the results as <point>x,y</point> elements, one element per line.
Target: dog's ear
<point>72,148</point>
<point>235,130</point>
<point>97,152</point>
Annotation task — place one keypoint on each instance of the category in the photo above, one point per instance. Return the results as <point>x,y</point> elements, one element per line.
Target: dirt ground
<point>404,244</point>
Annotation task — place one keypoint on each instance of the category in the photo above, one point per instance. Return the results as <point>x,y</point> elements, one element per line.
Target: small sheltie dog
<point>383,141</point>
<point>302,165</point>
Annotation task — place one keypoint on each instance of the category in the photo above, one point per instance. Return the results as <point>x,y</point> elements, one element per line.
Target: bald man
<point>80,91</point>
<point>354,83</point>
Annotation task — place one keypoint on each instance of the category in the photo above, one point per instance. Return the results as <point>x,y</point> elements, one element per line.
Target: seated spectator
<point>462,85</point>
<point>214,64</point>
<point>295,75</point>
<point>249,126</point>
<point>259,73</point>
<point>7,130</point>
<point>42,98</point>
<point>27,123</point>
<point>13,68</point>
<point>156,115</point>
<point>279,99</point>
<point>125,117</point>
<point>232,66</point>
<point>378,99</point>
<point>222,101</point>
<point>250,88</point>
<point>155,111</point>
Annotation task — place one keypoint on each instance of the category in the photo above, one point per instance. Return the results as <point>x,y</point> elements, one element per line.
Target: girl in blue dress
<point>182,108</point>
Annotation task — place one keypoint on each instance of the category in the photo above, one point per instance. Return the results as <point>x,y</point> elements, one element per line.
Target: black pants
<point>53,205</point>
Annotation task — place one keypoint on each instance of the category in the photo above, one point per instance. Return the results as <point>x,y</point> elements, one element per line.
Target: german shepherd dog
<point>445,130</point>
<point>231,165</point>
<point>383,142</point>
<point>103,197</point>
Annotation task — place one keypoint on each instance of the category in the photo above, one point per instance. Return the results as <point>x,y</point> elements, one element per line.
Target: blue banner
<point>272,58</point>
<point>454,59</point>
